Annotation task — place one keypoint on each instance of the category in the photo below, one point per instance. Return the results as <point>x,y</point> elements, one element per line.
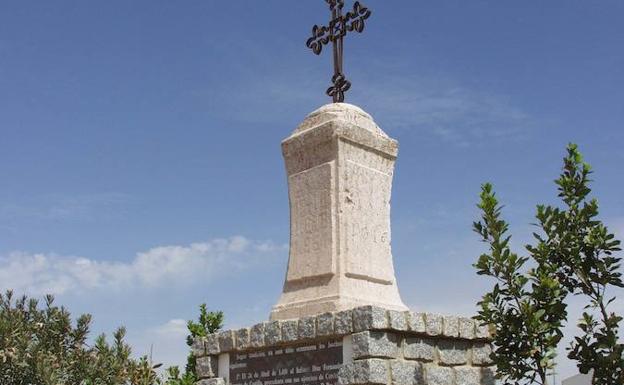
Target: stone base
<point>372,345</point>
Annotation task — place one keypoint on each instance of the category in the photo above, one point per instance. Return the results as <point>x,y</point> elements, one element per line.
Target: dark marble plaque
<point>309,364</point>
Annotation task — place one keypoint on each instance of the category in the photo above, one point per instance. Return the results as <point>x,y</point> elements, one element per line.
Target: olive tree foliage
<point>42,346</point>
<point>573,254</point>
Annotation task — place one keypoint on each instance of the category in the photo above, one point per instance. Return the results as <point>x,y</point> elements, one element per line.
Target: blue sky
<point>140,167</point>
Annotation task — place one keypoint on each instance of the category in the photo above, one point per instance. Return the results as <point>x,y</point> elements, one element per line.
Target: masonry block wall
<point>380,347</point>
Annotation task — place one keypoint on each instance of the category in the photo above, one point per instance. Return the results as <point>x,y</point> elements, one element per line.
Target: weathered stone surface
<point>483,331</point>
<point>211,381</point>
<point>481,354</point>
<point>488,376</point>
<point>417,322</point>
<point>344,322</point>
<point>466,328</point>
<point>338,161</point>
<point>369,318</point>
<point>227,341</point>
<point>325,324</point>
<point>206,367</point>
<point>273,332</point>
<point>199,347</point>
<point>307,328</point>
<point>398,320</point>
<point>406,373</point>
<point>451,326</point>
<point>370,372</point>
<point>465,375</point>
<point>421,349</point>
<point>290,329</point>
<point>371,344</point>
<point>453,352</point>
<point>439,375</point>
<point>242,339</point>
<point>345,374</point>
<point>256,336</point>
<point>434,324</point>
<point>212,344</point>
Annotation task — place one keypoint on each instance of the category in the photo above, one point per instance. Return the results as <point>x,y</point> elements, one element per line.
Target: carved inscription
<point>311,234</point>
<point>310,364</point>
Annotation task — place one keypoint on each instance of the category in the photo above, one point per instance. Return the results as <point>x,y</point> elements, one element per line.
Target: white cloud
<point>37,274</point>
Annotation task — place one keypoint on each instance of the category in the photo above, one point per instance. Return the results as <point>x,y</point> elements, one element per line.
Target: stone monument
<point>340,319</point>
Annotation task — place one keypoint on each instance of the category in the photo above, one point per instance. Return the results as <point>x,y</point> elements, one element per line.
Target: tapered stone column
<point>340,166</point>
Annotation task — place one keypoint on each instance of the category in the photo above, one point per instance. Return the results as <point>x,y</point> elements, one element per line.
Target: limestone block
<point>325,324</point>
<point>453,352</point>
<point>406,373</point>
<point>434,324</point>
<point>439,375</point>
<point>199,347</point>
<point>371,344</point>
<point>398,320</point>
<point>242,339</point>
<point>345,374</point>
<point>481,354</point>
<point>256,336</point>
<point>206,367</point>
<point>422,349</point>
<point>344,322</point>
<point>369,318</point>
<point>483,331</point>
<point>417,322</point>
<point>212,344</point>
<point>465,375</point>
<point>370,372</point>
<point>227,340</point>
<point>290,330</point>
<point>451,326</point>
<point>466,328</point>
<point>273,332</point>
<point>307,328</point>
<point>488,376</point>
<point>211,381</point>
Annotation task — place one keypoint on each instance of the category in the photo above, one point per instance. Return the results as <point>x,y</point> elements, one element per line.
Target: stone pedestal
<point>340,166</point>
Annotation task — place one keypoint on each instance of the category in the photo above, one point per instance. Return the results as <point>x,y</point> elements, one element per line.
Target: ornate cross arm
<point>338,28</point>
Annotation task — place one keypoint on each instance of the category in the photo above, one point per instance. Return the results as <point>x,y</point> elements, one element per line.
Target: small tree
<point>573,254</point>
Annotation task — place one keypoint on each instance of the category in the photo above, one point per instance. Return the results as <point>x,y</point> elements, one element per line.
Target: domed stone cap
<point>340,111</point>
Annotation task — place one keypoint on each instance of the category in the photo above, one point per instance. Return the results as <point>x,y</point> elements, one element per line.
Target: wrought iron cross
<point>338,27</point>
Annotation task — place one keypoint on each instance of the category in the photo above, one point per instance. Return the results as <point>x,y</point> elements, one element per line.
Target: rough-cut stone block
<point>406,373</point>
<point>465,375</point>
<point>206,367</point>
<point>466,328</point>
<point>488,376</point>
<point>212,344</point>
<point>273,333</point>
<point>417,322</point>
<point>211,381</point>
<point>483,332</point>
<point>439,375</point>
<point>481,354</point>
<point>345,374</point>
<point>343,322</point>
<point>227,341</point>
<point>398,320</point>
<point>451,326</point>
<point>307,328</point>
<point>325,324</point>
<point>421,349</point>
<point>369,318</point>
<point>370,372</point>
<point>242,339</point>
<point>290,330</point>
<point>453,352</point>
<point>371,344</point>
<point>199,347</point>
<point>434,324</point>
<point>256,336</point>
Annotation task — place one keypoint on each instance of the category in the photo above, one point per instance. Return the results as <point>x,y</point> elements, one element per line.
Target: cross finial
<point>338,27</point>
